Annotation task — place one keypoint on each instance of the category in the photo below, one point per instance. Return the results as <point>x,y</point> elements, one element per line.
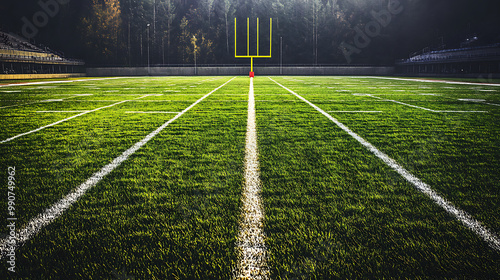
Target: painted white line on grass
<point>483,101</point>
<point>56,210</point>
<point>57,82</point>
<point>17,105</point>
<point>436,81</point>
<point>409,105</point>
<point>354,111</point>
<point>462,111</point>
<point>151,112</point>
<point>251,249</point>
<point>121,94</point>
<point>464,217</point>
<point>472,100</point>
<point>58,122</point>
<point>40,101</point>
<point>74,94</point>
<point>64,120</point>
<point>430,110</point>
<point>61,111</point>
<point>53,100</point>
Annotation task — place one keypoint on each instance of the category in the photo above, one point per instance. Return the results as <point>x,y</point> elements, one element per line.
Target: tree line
<point>122,32</point>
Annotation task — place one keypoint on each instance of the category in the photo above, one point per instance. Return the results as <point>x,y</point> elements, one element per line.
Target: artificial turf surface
<point>332,209</point>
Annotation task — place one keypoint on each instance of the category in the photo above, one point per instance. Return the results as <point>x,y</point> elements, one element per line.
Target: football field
<point>228,177</point>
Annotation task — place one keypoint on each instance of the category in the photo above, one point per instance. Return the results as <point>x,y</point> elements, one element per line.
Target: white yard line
<point>47,100</point>
<point>482,101</point>
<point>427,109</point>
<point>354,111</point>
<point>56,210</point>
<point>251,249</point>
<point>17,105</point>
<point>464,217</point>
<point>436,111</point>
<point>462,111</point>
<point>64,120</point>
<point>409,105</point>
<point>61,111</point>
<point>75,95</point>
<point>436,81</point>
<point>151,112</point>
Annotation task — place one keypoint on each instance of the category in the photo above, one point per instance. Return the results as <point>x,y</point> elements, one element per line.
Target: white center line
<point>56,210</point>
<point>251,248</point>
<point>460,215</point>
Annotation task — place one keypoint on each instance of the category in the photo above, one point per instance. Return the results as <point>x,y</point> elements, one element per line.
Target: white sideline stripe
<point>151,112</point>
<point>437,81</point>
<point>460,215</point>
<point>251,249</point>
<point>63,120</point>
<point>61,111</point>
<point>57,209</point>
<point>57,82</point>
<point>354,111</point>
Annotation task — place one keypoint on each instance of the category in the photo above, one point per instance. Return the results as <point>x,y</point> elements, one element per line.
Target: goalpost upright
<point>248,43</point>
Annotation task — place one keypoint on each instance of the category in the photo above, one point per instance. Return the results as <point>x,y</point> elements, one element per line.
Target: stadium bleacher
<point>468,60</point>
<point>18,56</point>
<point>461,53</point>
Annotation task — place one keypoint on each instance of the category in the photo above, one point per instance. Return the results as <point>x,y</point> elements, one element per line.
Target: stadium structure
<point>471,61</point>
<point>20,59</point>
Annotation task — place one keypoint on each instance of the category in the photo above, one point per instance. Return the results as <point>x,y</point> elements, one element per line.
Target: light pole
<point>281,55</point>
<point>194,51</point>
<point>149,73</point>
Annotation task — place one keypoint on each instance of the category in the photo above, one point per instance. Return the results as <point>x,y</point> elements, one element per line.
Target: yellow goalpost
<point>248,43</point>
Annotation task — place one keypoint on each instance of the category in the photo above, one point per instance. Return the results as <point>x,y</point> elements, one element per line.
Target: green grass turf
<point>332,209</point>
